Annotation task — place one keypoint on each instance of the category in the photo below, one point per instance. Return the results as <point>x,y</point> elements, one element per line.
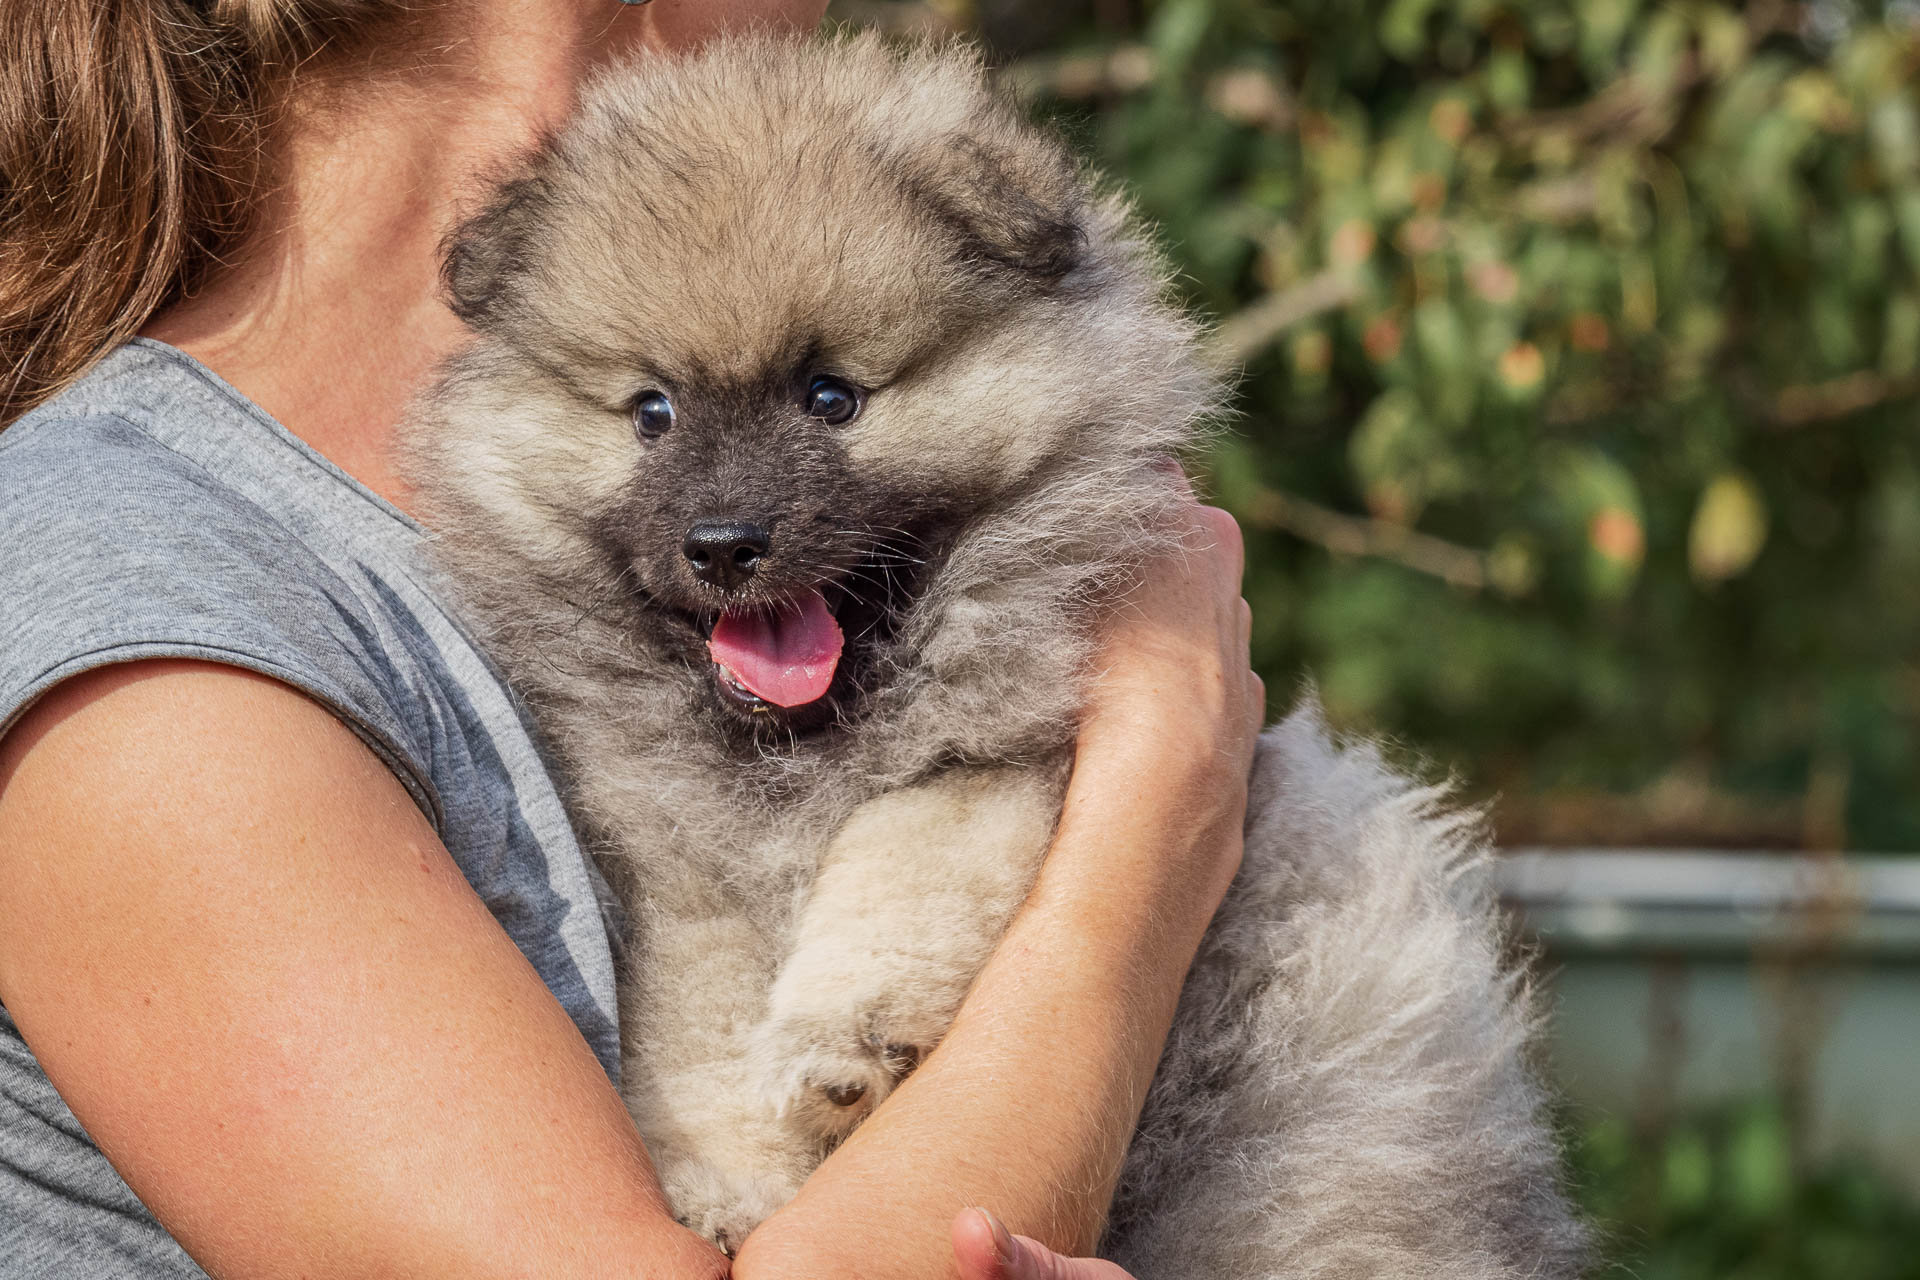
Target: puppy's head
<point>768,327</point>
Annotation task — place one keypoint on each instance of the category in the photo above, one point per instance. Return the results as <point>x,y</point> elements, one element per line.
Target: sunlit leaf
<point>1687,1171</point>
<point>1403,27</point>
<point>1178,28</point>
<point>1599,498</point>
<point>1729,528</point>
<point>1513,565</point>
<point>1759,1165</point>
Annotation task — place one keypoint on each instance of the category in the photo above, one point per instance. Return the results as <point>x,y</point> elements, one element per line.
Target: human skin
<point>244,958</point>
<point>984,1249</point>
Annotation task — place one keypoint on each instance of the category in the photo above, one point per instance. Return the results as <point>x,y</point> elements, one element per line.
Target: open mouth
<point>797,658</point>
<point>782,655</point>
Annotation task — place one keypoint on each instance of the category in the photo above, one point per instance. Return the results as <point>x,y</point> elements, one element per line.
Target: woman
<point>294,944</point>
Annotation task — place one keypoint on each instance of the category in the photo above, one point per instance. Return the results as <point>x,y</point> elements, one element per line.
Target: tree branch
<point>1081,77</point>
<point>1818,402</point>
<point>1249,331</point>
<point>1364,536</point>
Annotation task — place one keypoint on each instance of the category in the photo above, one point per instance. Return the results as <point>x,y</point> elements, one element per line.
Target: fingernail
<point>1004,1247</point>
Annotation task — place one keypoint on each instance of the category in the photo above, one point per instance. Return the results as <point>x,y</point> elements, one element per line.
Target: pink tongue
<point>786,657</point>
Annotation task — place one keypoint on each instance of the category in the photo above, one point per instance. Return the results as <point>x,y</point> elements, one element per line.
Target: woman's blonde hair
<point>132,155</point>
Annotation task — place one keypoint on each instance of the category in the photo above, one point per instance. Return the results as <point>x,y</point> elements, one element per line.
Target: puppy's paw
<point>827,1068</point>
<point>719,1205</point>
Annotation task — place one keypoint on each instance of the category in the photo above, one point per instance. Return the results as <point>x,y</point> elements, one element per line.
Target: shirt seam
<point>397,760</point>
<point>416,777</point>
<point>175,358</point>
<point>178,359</point>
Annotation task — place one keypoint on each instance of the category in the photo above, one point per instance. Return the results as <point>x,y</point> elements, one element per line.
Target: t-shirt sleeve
<point>114,548</point>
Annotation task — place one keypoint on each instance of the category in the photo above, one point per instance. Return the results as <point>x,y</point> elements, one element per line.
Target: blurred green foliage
<point>1718,1195</point>
<point>1582,352</point>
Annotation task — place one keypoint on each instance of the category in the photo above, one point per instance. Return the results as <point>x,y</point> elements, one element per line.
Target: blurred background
<point>1579,454</point>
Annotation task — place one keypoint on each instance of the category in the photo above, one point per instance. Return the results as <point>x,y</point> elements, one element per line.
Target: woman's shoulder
<point>149,424</point>
<point>68,467</point>
<point>120,546</point>
<point>87,483</point>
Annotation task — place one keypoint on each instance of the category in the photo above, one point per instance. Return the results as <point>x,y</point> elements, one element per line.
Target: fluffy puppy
<point>815,403</point>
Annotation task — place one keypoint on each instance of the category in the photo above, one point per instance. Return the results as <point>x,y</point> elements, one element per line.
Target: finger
<point>1246,623</point>
<point>985,1250</point>
<point>1223,533</point>
<point>976,1249</point>
<point>1042,1263</point>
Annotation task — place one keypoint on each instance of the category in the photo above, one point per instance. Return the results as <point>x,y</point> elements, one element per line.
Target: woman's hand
<point>985,1250</point>
<point>1177,708</point>
<point>1175,652</point>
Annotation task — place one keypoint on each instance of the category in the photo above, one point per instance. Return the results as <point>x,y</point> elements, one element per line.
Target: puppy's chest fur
<point>806,915</point>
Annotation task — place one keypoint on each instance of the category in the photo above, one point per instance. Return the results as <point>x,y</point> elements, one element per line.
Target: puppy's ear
<point>1012,194</point>
<point>488,252</point>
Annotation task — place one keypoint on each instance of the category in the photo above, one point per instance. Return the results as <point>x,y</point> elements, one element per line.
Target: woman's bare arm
<point>259,980</point>
<point>1027,1104</point>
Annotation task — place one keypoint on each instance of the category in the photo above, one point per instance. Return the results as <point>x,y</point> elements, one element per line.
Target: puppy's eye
<point>652,414</point>
<point>831,400</point>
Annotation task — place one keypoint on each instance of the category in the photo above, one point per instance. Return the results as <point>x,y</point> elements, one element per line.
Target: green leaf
<point>1598,497</point>
<point>1687,1171</point>
<point>1759,1165</point>
<point>1177,32</point>
<point>1895,131</point>
<point>1729,528</point>
<point>1906,218</point>
<point>1403,28</point>
<point>1603,25</point>
<point>1900,340</point>
<point>1509,80</point>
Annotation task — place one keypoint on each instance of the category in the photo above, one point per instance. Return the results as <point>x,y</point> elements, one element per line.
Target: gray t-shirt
<point>153,511</point>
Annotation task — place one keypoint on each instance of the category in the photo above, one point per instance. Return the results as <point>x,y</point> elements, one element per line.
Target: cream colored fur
<point>1345,1092</point>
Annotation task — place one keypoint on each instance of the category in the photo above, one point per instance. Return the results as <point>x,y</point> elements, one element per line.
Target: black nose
<point>725,552</point>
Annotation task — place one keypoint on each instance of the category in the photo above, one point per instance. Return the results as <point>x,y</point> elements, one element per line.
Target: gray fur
<point>1345,1092</point>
